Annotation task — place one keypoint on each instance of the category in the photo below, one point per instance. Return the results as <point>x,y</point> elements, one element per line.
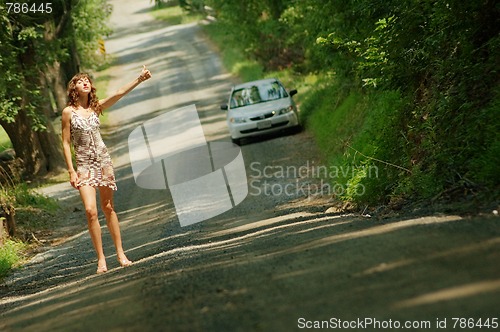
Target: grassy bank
<point>387,144</point>
<point>380,151</point>
<point>34,215</point>
<point>349,125</point>
<point>353,129</point>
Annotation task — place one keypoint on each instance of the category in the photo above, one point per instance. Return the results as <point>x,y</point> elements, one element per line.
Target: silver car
<point>260,107</point>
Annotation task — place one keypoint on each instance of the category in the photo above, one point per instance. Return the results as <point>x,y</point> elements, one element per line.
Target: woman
<point>80,126</point>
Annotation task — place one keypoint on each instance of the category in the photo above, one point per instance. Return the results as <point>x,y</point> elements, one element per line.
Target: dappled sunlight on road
<point>81,298</point>
<point>452,293</point>
<point>142,215</point>
<point>371,231</point>
<point>261,223</point>
<point>302,255</point>
<point>484,245</point>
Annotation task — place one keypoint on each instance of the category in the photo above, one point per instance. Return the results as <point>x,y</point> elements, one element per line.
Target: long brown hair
<point>73,94</point>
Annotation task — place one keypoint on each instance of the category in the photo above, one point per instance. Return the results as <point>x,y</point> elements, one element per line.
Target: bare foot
<point>101,267</point>
<point>124,261</point>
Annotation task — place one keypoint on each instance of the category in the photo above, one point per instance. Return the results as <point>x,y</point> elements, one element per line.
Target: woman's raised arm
<point>111,100</point>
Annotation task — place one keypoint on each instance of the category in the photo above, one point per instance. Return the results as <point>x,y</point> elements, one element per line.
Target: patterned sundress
<point>93,162</point>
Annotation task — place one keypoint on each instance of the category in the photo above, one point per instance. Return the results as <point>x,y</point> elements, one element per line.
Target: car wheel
<point>297,129</point>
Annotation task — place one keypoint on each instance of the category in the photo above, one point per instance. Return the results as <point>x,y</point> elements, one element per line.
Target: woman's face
<point>83,85</point>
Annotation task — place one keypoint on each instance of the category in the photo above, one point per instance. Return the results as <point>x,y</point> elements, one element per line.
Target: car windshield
<point>255,94</point>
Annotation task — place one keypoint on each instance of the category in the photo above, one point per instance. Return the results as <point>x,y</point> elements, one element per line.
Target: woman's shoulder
<point>67,111</point>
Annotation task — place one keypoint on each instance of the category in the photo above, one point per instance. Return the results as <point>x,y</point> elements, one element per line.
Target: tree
<point>39,52</point>
<point>257,27</point>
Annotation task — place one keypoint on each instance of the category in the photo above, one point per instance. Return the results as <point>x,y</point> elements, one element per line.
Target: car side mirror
<point>293,92</point>
<point>223,107</point>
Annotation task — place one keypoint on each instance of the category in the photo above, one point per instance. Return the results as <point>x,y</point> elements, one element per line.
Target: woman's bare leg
<point>88,195</point>
<point>108,208</point>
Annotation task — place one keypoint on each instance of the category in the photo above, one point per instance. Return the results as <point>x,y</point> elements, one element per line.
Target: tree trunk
<point>51,148</point>
<point>26,144</point>
<point>50,138</point>
<point>1,233</point>
<point>54,76</point>
<point>7,220</point>
<point>54,82</point>
<point>8,212</point>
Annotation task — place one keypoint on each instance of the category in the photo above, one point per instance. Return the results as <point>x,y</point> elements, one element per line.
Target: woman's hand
<point>145,74</point>
<point>73,179</point>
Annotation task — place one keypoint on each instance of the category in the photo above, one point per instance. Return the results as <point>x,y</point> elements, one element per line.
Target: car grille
<point>275,125</point>
<point>262,117</point>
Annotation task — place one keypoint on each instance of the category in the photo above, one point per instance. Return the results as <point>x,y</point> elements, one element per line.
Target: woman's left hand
<point>73,179</point>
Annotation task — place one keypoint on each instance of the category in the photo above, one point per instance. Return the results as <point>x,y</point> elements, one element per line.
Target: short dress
<point>93,162</point>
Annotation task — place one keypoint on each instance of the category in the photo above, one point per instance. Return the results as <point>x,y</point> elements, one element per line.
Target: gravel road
<point>279,261</point>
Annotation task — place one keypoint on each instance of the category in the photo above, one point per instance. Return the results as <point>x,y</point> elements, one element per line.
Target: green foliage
<point>5,142</point>
<point>10,255</point>
<point>25,197</point>
<point>192,5</point>
<point>357,132</point>
<point>411,82</point>
<point>26,52</point>
<point>33,211</point>
<point>13,40</point>
<point>482,167</point>
<point>233,58</point>
<point>410,87</point>
<point>371,54</point>
<point>89,25</point>
<point>174,15</point>
<point>256,28</point>
<point>19,195</point>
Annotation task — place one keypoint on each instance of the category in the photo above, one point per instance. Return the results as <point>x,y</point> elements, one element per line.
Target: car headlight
<point>285,110</point>
<point>237,120</point>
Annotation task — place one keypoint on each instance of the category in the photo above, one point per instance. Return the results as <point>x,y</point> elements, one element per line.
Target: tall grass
<point>23,196</point>
<point>11,254</point>
<point>353,129</point>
